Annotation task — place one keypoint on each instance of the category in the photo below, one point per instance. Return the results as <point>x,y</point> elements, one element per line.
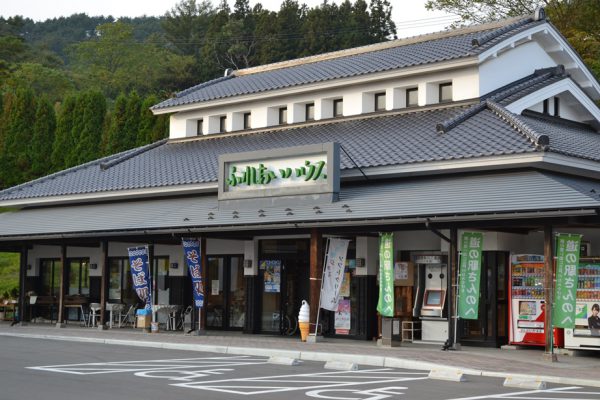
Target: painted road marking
<point>547,394</point>
<point>326,381</point>
<point>169,365</point>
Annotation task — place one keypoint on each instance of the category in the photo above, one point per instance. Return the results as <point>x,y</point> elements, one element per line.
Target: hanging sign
<point>140,274</point>
<point>567,259</point>
<point>333,275</point>
<point>470,275</point>
<point>385,305</point>
<point>191,250</point>
<point>342,318</point>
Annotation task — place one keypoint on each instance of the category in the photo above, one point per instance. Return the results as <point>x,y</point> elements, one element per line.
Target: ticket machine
<point>430,300</point>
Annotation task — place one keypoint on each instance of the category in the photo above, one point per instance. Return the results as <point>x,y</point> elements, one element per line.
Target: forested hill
<point>76,88</point>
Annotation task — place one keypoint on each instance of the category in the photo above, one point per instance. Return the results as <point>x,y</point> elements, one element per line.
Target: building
<point>492,128</point>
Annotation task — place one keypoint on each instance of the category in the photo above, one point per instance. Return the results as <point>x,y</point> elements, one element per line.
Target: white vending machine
<point>430,298</point>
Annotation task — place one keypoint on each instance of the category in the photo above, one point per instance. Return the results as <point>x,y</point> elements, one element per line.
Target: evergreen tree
<point>116,132</point>
<point>132,119</point>
<point>43,138</point>
<point>17,137</point>
<point>382,26</point>
<point>152,127</point>
<point>62,138</point>
<point>91,126</point>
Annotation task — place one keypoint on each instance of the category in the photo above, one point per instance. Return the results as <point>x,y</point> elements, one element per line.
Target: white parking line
<point>522,395</point>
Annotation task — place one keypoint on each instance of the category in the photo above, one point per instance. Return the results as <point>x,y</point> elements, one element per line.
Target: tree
<point>577,20</point>
<point>64,128</point>
<point>51,82</point>
<point>43,138</point>
<point>132,119</point>
<point>91,105</point>
<point>17,137</point>
<point>152,127</point>
<point>383,28</point>
<point>116,132</point>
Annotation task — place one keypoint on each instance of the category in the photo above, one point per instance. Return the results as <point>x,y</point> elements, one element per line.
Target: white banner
<point>333,274</point>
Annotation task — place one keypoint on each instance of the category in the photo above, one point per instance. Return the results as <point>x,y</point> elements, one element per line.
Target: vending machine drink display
<point>586,334</point>
<point>527,308</point>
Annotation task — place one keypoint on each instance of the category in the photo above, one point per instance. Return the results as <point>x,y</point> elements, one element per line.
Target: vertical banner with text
<point>567,259</point>
<point>470,275</point>
<point>333,275</point>
<point>385,305</point>
<point>191,249</point>
<point>140,274</point>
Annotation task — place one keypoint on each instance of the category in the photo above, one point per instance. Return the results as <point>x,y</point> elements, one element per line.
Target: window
<point>556,107</point>
<point>50,277</point>
<point>412,97</point>
<point>199,129</point>
<point>247,120</point>
<point>310,111</point>
<point>380,101</point>
<point>445,92</point>
<point>338,108</point>
<point>222,123</point>
<point>546,107</point>
<point>283,115</point>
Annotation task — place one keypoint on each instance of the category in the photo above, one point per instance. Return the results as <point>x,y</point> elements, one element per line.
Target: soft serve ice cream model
<point>303,320</point>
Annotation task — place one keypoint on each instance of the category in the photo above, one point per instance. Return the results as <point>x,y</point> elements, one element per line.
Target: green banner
<point>567,259</point>
<point>385,305</point>
<point>470,275</point>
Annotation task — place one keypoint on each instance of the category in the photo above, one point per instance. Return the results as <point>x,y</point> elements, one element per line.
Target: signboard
<point>140,274</point>
<point>342,318</point>
<point>301,170</point>
<point>470,275</point>
<point>191,250</point>
<point>333,275</point>
<point>567,259</point>
<point>271,275</point>
<point>385,305</point>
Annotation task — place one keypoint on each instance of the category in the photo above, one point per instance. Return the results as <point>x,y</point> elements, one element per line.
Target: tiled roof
<point>376,204</point>
<point>388,139</point>
<point>395,55</point>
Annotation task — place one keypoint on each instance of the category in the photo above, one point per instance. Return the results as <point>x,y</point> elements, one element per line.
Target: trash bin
<point>391,334</point>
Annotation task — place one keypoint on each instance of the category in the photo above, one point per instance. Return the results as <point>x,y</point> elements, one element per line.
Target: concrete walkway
<point>580,369</point>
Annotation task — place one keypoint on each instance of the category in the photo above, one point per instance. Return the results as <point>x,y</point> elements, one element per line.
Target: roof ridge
<point>135,152</point>
<point>385,45</point>
<point>447,125</point>
<point>541,140</point>
<point>483,39</point>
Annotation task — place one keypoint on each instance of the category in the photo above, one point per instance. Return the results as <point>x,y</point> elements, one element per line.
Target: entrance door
<point>283,271</point>
<point>79,282</point>
<point>225,293</point>
<point>490,329</point>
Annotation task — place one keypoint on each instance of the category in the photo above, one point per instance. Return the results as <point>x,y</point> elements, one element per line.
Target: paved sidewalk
<point>583,369</point>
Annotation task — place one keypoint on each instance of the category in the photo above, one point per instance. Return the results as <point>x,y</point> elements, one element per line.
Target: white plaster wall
<point>367,247</point>
<point>416,241</point>
<point>251,254</point>
<point>512,65</point>
<point>357,96</point>
<point>567,108</point>
<point>222,246</point>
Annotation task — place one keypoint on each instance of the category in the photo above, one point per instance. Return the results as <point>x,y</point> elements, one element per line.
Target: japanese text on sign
<point>567,259</point>
<point>385,305</point>
<point>470,275</point>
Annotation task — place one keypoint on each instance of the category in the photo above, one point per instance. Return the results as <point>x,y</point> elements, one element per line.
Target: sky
<point>410,16</point>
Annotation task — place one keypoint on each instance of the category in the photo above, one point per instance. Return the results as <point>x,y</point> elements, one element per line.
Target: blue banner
<point>140,273</point>
<point>191,249</point>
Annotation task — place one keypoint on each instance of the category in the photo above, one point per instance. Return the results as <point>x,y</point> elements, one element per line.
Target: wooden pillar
<point>204,260</point>
<point>316,274</point>
<point>452,285</point>
<point>548,286</point>
<point>103,281</point>
<point>63,285</point>
<point>22,281</point>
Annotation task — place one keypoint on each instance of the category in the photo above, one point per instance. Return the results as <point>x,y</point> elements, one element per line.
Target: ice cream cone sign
<point>303,320</point>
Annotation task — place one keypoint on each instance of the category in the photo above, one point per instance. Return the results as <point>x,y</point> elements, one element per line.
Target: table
<point>82,316</point>
<point>169,310</point>
<point>114,308</point>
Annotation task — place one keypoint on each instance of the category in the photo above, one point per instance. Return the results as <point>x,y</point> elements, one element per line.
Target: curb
<point>374,361</point>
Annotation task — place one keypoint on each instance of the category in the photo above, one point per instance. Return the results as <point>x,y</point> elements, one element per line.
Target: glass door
<point>79,283</point>
<point>490,328</point>
<point>160,275</point>
<point>270,275</point>
<point>225,292</point>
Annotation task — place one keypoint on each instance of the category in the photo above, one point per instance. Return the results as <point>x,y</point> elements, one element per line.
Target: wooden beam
<point>204,260</point>
<point>316,274</point>
<point>103,280</point>
<point>63,285</point>
<point>22,281</point>
<point>548,288</point>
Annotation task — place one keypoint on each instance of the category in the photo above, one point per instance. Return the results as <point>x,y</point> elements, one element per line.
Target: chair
<point>94,314</point>
<point>129,317</point>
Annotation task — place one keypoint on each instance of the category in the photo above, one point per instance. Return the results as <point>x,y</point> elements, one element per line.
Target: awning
<point>445,198</point>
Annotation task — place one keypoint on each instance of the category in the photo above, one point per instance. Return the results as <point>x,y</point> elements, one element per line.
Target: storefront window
<point>50,277</point>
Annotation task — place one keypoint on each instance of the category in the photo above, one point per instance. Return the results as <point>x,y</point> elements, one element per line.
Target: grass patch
<point>9,272</point>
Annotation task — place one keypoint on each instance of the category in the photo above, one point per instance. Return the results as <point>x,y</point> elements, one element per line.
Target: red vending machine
<point>527,308</point>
